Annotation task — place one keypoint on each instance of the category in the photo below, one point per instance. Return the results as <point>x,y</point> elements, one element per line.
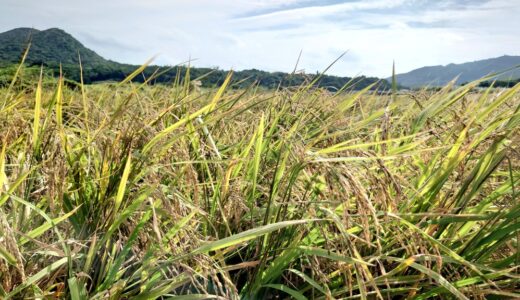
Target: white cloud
<point>269,34</point>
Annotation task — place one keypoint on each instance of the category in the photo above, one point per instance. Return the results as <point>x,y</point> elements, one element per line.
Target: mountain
<point>466,72</point>
<point>48,46</point>
<point>55,48</point>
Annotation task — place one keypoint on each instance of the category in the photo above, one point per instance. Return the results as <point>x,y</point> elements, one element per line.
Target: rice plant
<point>139,191</point>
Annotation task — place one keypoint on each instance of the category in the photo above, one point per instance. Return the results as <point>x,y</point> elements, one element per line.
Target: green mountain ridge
<point>55,47</point>
<point>465,72</point>
<point>47,46</point>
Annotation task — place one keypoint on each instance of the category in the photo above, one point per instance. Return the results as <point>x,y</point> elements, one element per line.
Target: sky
<point>269,34</point>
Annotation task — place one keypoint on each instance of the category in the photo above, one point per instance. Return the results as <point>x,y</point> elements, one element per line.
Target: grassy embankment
<point>136,191</point>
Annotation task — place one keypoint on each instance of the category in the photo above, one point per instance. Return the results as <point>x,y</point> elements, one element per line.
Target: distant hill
<point>466,72</point>
<point>48,46</point>
<point>54,46</point>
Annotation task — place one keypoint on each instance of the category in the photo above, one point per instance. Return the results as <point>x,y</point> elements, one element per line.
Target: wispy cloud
<point>285,6</point>
<point>315,9</point>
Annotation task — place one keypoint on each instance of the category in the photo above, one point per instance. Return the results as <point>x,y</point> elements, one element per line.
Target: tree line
<point>115,72</point>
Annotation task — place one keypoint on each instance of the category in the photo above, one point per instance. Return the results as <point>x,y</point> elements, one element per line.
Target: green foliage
<point>500,83</point>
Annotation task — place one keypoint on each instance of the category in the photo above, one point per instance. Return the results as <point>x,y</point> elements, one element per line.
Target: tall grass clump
<point>138,191</point>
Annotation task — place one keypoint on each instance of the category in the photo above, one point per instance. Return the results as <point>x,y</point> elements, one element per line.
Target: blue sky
<point>269,34</point>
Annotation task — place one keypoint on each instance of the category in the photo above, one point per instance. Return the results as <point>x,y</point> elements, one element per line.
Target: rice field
<point>138,191</point>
